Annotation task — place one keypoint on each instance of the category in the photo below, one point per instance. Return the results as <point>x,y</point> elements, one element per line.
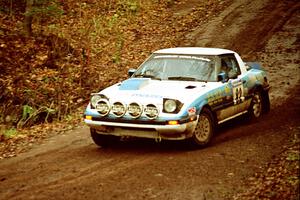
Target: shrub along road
<point>246,160</point>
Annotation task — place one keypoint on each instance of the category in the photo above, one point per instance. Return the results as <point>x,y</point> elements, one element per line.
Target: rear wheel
<point>266,101</point>
<point>103,140</point>
<point>204,129</point>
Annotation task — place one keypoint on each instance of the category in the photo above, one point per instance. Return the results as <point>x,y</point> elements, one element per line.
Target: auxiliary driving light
<point>151,111</point>
<point>135,110</point>
<point>118,109</point>
<point>102,107</point>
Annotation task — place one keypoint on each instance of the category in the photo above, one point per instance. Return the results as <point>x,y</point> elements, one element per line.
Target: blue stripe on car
<point>133,84</point>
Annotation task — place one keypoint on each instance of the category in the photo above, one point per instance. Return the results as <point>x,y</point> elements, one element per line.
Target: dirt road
<point>70,166</point>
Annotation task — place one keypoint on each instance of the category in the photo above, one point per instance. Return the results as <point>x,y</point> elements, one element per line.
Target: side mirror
<point>131,72</point>
<point>222,77</point>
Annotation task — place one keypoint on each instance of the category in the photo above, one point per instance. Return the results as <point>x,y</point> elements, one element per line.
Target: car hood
<point>146,90</point>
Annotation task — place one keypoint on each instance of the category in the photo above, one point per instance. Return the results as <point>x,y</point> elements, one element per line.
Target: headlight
<point>118,109</point>
<point>95,99</point>
<point>134,110</point>
<point>102,107</point>
<point>170,105</point>
<point>151,111</point>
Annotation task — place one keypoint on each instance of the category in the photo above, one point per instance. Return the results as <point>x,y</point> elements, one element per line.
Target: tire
<point>266,102</point>
<point>103,140</point>
<point>256,107</point>
<point>204,130</point>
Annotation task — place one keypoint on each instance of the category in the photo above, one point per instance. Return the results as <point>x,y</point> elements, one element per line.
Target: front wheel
<point>204,129</point>
<point>103,140</point>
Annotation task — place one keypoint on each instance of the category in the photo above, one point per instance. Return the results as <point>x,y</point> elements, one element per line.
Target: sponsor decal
<point>192,111</point>
<point>183,57</point>
<point>147,95</point>
<point>227,89</point>
<point>215,98</point>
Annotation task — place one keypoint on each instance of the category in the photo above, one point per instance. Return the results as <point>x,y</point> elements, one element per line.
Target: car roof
<point>194,51</point>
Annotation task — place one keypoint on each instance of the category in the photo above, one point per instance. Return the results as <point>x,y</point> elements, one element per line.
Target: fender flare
<point>205,105</point>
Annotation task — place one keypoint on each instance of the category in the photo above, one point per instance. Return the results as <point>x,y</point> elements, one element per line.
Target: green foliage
<point>293,180</point>
<point>97,22</point>
<point>128,6</point>
<point>31,115</point>
<point>133,6</point>
<point>27,112</point>
<point>44,11</point>
<point>113,20</point>
<point>49,111</point>
<point>293,156</point>
<point>10,133</point>
<point>119,46</point>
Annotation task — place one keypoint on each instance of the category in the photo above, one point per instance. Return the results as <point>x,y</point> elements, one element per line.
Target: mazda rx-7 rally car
<point>179,94</point>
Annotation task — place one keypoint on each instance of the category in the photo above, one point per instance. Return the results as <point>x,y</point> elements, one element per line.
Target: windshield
<point>178,67</point>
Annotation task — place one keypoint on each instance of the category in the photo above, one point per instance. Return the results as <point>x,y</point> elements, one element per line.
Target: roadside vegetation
<point>53,54</point>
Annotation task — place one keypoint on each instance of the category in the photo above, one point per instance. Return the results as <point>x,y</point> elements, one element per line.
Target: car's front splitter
<point>168,132</point>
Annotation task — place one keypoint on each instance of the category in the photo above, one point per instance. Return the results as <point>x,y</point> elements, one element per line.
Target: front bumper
<point>168,132</point>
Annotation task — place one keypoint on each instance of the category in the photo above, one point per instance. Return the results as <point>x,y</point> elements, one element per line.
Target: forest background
<point>55,53</point>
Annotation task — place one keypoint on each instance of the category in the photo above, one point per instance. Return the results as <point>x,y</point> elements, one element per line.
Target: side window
<point>230,66</point>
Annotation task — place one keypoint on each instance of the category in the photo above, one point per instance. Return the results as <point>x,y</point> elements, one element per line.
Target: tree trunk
<point>28,18</point>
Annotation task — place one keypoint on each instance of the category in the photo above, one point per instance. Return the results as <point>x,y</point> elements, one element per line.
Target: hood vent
<point>190,87</point>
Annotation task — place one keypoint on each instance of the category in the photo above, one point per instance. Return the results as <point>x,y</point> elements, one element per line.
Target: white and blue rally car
<point>179,94</point>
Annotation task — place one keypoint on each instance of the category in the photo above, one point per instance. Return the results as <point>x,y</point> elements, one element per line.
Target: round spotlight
<point>134,110</point>
<point>151,111</point>
<point>118,109</point>
<point>102,106</point>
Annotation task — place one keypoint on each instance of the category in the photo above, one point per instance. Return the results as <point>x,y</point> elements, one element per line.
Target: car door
<point>232,87</point>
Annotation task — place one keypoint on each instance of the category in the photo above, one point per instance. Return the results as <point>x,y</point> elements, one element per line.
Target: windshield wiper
<point>147,76</point>
<point>183,78</point>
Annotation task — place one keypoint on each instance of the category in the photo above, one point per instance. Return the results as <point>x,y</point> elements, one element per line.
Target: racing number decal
<point>238,92</point>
